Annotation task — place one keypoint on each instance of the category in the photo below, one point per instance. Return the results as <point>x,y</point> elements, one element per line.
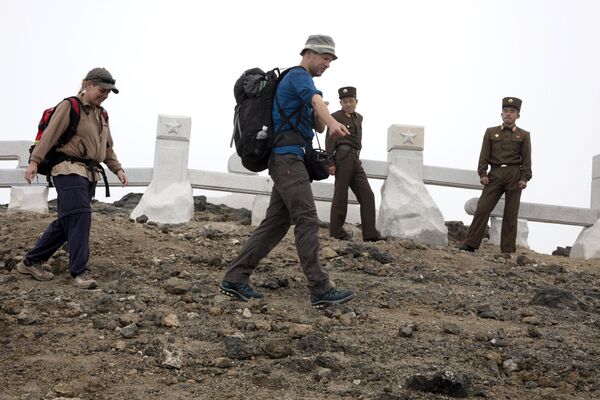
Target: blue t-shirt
<point>295,89</point>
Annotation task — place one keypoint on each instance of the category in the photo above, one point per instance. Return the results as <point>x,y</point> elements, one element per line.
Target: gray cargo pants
<point>292,202</point>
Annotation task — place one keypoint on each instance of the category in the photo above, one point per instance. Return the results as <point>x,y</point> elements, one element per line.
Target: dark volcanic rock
<point>445,382</point>
<point>457,230</point>
<point>557,298</point>
<point>562,251</point>
<point>237,347</point>
<point>312,344</point>
<point>199,203</point>
<point>357,249</point>
<point>129,201</point>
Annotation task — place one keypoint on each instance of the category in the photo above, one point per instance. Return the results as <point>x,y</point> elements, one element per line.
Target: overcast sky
<point>444,65</point>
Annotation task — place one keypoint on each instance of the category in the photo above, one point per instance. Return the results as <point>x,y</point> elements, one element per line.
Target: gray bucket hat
<point>320,44</point>
<point>102,78</point>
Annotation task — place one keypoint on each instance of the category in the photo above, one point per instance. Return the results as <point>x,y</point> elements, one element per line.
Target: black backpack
<point>253,134</point>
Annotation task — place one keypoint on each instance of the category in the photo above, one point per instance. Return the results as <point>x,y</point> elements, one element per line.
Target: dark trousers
<point>502,181</point>
<point>292,202</point>
<point>349,173</point>
<point>72,225</point>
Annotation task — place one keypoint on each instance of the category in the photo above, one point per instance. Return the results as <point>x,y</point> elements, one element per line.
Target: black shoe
<point>343,236</point>
<point>375,239</point>
<point>332,296</point>
<point>242,291</point>
<point>466,247</point>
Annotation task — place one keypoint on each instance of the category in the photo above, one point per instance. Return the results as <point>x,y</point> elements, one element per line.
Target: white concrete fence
<point>406,209</point>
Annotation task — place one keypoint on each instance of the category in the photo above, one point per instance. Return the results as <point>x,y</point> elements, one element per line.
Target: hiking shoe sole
<point>41,275</point>
<point>232,293</point>
<point>86,285</point>
<point>325,303</point>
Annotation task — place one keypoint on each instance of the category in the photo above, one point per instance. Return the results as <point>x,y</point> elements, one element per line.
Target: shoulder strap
<point>74,117</point>
<point>104,114</point>
<point>286,119</point>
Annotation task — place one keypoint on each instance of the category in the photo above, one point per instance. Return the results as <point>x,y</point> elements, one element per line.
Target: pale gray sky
<point>441,64</point>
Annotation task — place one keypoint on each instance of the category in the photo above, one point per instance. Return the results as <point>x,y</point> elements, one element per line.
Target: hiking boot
<point>466,247</point>
<point>332,296</point>
<point>241,291</point>
<point>85,281</point>
<point>36,271</point>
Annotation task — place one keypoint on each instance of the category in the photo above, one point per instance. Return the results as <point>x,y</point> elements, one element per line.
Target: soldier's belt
<point>505,165</point>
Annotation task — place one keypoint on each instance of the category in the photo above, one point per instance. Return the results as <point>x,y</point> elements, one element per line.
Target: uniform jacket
<point>506,146</point>
<point>354,126</point>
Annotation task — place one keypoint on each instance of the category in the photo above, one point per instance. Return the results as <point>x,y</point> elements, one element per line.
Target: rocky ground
<point>426,323</point>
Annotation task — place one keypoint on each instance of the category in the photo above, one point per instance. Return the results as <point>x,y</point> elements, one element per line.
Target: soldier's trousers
<point>503,180</point>
<point>292,202</point>
<point>72,225</point>
<point>349,173</point>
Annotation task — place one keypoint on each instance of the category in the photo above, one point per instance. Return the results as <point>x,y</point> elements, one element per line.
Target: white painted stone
<point>234,166</point>
<point>259,209</point>
<point>595,195</point>
<point>496,229</point>
<point>32,198</point>
<point>16,150</point>
<point>169,198</point>
<point>409,137</point>
<point>408,211</point>
<point>543,213</point>
<point>587,245</point>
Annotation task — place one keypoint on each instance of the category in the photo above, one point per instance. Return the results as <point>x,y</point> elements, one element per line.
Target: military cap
<point>347,91</point>
<point>512,102</point>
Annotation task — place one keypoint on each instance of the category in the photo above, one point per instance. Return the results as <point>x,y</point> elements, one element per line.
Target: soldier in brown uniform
<point>507,150</point>
<point>344,163</point>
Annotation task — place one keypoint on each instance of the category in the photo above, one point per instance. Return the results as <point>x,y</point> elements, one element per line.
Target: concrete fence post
<point>407,210</point>
<point>169,197</point>
<point>587,244</point>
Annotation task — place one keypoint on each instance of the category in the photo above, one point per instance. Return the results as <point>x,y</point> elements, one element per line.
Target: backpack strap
<point>105,115</point>
<point>285,118</point>
<point>74,117</point>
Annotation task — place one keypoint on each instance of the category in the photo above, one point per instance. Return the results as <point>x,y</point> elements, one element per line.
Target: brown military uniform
<point>344,154</point>
<point>508,152</point>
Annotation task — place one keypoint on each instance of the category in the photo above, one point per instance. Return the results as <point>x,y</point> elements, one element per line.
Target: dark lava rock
<point>129,201</point>
<point>485,311</point>
<point>562,251</point>
<point>312,344</point>
<point>278,347</point>
<point>457,230</point>
<point>300,364</point>
<point>357,249</point>
<point>523,260</point>
<point>445,382</point>
<point>199,203</point>
<point>238,348</point>
<point>275,283</point>
<point>557,298</point>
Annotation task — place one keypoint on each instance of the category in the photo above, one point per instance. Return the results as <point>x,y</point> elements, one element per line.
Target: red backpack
<point>53,156</point>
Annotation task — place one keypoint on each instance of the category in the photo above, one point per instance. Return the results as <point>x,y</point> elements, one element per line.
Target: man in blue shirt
<point>299,108</point>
